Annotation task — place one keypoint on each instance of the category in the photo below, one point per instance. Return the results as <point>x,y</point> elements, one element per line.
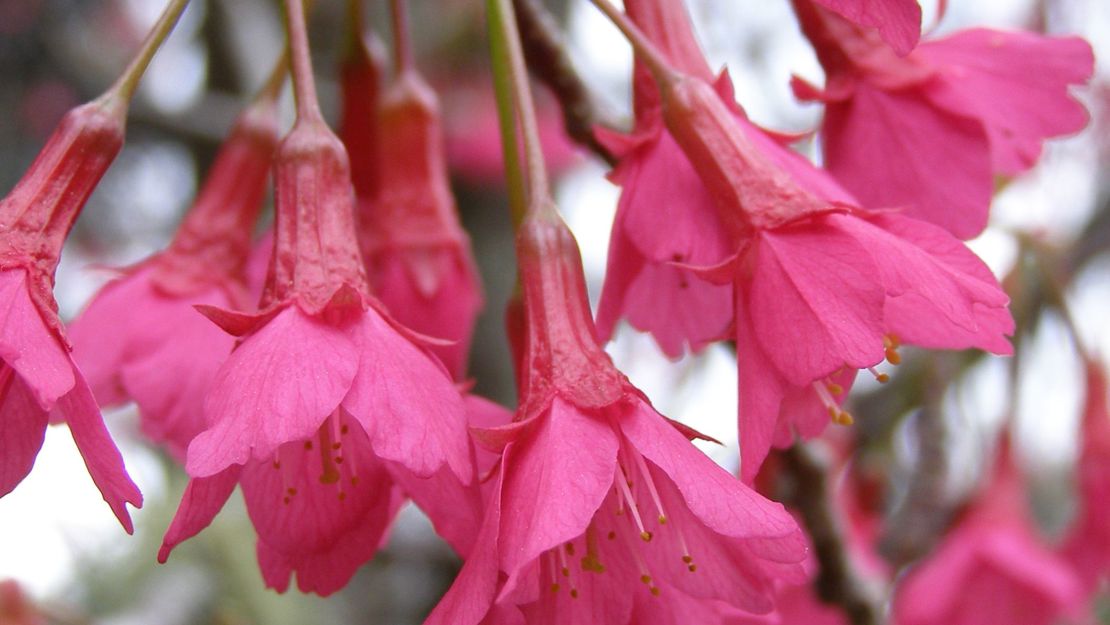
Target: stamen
<point>591,562</point>
<point>836,413</point>
<point>623,485</point>
<point>890,349</point>
<point>882,378</point>
<point>651,487</point>
<point>330,474</point>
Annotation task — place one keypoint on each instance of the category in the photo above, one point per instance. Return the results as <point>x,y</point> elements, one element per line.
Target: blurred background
<point>66,551</point>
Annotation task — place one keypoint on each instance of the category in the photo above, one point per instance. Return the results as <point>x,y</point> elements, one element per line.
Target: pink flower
<point>38,378</point>
<point>327,402</point>
<point>140,337</point>
<point>990,568</point>
<point>960,109</point>
<point>601,504</point>
<point>819,287</point>
<point>417,255</point>
<point>666,218</point>
<point>1087,545</point>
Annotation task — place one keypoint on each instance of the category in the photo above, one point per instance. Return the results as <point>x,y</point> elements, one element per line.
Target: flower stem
<point>402,41</point>
<point>123,90</point>
<point>509,59</point>
<point>304,84</point>
<point>641,45</point>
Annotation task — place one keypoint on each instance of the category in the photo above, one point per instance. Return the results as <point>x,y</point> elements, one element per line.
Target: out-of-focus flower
<point>38,378</point>
<point>928,132</point>
<point>991,567</point>
<point>16,608</point>
<point>417,255</point>
<point>140,338</point>
<point>1087,545</point>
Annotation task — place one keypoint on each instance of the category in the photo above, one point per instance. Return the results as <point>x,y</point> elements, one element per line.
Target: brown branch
<point>546,56</point>
<point>837,582</point>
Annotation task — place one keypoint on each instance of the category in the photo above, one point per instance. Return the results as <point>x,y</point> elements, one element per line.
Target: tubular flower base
<point>960,109</point>
<point>140,337</point>
<point>326,402</point>
<point>602,508</point>
<point>38,378</point>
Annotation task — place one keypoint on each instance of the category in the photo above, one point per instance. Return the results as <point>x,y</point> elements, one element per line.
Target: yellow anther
<point>662,519</point>
<point>591,563</point>
<point>892,356</point>
<point>882,378</point>
<point>646,535</point>
<point>646,579</point>
<point>555,587</point>
<point>573,593</point>
<point>277,464</point>
<point>566,571</point>
<point>844,418</point>
<point>687,558</point>
<point>292,491</point>
<point>692,568</point>
<point>344,430</point>
<point>835,388</point>
<point>655,591</point>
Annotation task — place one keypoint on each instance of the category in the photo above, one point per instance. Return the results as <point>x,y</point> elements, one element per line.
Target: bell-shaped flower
<point>326,403</point>
<point>140,338</point>
<point>991,567</point>
<point>38,377</point>
<point>822,288</point>
<point>603,509</point>
<point>898,22</point>
<point>929,131</point>
<point>417,255</point>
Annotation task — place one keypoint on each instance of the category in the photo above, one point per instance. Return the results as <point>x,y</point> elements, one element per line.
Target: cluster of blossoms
<point>332,387</point>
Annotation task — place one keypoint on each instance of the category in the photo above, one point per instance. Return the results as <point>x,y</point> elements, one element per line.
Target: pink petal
<point>898,21</point>
<point>560,472</point>
<point>724,504</point>
<point>815,303</point>
<point>469,598</point>
<point>442,301</point>
<point>665,209</point>
<point>761,392</point>
<point>24,428</point>
<point>28,346</point>
<point>204,497</point>
<point>278,386</point>
<point>676,307</point>
<point>454,508</point>
<point>1017,83</point>
<point>319,520</point>
<point>102,459</point>
<point>940,294</point>
<point>407,405</point>
<point>892,150</point>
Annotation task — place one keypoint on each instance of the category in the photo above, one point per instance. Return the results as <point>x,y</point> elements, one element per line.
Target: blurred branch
<point>547,58</point>
<point>837,581</point>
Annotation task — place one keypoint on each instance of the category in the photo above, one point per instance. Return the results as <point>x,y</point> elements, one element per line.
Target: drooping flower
<point>602,505</point>
<point>666,218</point>
<point>959,109</point>
<point>327,403</point>
<point>418,257</point>
<point>140,338</point>
<point>991,567</point>
<point>819,287</point>
<point>38,378</point>
<point>1087,545</point>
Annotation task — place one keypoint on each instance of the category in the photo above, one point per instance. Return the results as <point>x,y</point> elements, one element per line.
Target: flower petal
<point>278,386</point>
<point>24,428</point>
<point>406,403</point>
<point>102,458</point>
<point>28,345</point>
<point>204,497</point>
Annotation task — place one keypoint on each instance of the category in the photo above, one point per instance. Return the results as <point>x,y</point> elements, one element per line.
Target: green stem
<point>537,188</point>
<point>123,90</point>
<point>503,89</point>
